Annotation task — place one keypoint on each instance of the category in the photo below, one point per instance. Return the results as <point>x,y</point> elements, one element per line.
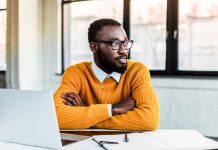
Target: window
<point>148,29</point>
<point>77,17</point>
<point>3,16</point>
<point>172,37</point>
<point>198,46</point>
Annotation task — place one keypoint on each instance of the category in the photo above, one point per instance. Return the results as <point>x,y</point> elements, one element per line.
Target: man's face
<point>110,60</point>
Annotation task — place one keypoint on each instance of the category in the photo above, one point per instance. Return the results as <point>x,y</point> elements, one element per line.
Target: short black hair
<point>97,26</point>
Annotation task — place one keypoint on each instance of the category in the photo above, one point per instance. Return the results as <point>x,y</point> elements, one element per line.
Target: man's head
<point>109,44</point>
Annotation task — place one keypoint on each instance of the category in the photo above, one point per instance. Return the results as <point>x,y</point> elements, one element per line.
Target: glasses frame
<point>111,43</point>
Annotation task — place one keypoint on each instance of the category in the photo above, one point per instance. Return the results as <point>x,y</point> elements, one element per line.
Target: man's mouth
<point>122,59</point>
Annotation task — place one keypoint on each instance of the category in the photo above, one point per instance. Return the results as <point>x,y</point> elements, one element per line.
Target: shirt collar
<point>101,75</point>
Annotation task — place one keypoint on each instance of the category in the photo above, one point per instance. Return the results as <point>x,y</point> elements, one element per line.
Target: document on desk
<point>160,139</point>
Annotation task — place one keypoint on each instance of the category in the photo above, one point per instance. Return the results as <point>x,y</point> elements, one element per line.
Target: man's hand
<point>124,106</point>
<point>72,99</point>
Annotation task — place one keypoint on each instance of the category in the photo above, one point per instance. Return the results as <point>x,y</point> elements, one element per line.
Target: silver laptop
<point>29,118</point>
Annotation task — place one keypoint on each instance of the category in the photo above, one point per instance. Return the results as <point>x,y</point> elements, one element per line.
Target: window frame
<point>172,32</point>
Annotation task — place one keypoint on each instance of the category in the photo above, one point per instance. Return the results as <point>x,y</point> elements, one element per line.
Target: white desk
<point>160,139</point>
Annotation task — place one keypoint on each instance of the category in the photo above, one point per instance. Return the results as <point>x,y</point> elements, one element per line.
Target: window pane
<point>77,18</point>
<point>148,30</point>
<point>198,34</point>
<point>2,40</point>
<point>3,4</point>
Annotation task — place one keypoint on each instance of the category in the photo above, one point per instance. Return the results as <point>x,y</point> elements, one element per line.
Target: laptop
<point>29,118</point>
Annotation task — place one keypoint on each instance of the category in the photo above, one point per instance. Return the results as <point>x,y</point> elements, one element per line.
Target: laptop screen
<point>29,117</point>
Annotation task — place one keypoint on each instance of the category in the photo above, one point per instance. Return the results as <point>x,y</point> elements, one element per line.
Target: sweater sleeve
<point>76,117</point>
<point>146,115</point>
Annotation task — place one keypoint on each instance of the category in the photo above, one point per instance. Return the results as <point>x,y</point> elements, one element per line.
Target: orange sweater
<point>135,82</point>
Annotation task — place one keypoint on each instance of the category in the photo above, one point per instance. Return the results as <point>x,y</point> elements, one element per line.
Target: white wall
<point>24,52</point>
<point>51,43</point>
<point>188,103</point>
<point>30,52</point>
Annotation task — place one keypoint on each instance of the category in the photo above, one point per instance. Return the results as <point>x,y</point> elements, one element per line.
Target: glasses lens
<point>127,44</point>
<point>116,44</point>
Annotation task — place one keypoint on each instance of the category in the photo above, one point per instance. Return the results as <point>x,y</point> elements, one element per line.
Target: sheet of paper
<point>183,139</point>
<point>136,141</point>
<point>161,139</point>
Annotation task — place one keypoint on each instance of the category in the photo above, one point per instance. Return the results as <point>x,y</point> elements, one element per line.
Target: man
<point>110,92</point>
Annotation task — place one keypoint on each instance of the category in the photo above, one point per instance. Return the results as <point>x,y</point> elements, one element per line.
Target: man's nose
<point>122,49</point>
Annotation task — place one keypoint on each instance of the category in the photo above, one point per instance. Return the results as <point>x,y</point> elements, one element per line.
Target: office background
<point>33,57</point>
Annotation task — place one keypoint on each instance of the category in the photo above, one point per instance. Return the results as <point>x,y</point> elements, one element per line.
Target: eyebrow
<point>119,39</point>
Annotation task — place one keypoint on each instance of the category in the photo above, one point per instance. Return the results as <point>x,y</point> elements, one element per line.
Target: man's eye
<point>116,42</point>
<point>127,42</point>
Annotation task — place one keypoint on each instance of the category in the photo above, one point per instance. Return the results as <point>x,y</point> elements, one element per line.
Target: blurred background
<point>176,39</point>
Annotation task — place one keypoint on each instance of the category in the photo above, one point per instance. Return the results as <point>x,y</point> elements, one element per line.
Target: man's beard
<point>107,65</point>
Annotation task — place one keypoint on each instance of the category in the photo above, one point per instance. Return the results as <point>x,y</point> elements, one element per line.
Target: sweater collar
<point>101,75</point>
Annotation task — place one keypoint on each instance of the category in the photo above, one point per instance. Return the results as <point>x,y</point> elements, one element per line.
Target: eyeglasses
<point>115,44</point>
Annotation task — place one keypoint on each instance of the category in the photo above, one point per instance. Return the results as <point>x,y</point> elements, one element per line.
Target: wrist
<point>116,110</point>
<point>113,110</point>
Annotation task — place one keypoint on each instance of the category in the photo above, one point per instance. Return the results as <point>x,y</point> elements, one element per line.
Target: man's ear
<point>93,46</point>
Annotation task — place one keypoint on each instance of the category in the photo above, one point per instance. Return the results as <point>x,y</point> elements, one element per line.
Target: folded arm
<point>122,107</point>
<point>80,117</point>
<point>76,117</point>
<point>146,114</point>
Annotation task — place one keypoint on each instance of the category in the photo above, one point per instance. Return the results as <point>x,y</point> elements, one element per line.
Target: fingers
<point>131,103</point>
<point>123,106</point>
<point>66,102</point>
<point>71,99</point>
<point>76,98</point>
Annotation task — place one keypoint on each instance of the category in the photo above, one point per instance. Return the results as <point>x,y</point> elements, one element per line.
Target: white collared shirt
<point>101,76</point>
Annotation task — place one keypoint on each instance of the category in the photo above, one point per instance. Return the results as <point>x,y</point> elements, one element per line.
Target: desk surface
<point>163,138</point>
